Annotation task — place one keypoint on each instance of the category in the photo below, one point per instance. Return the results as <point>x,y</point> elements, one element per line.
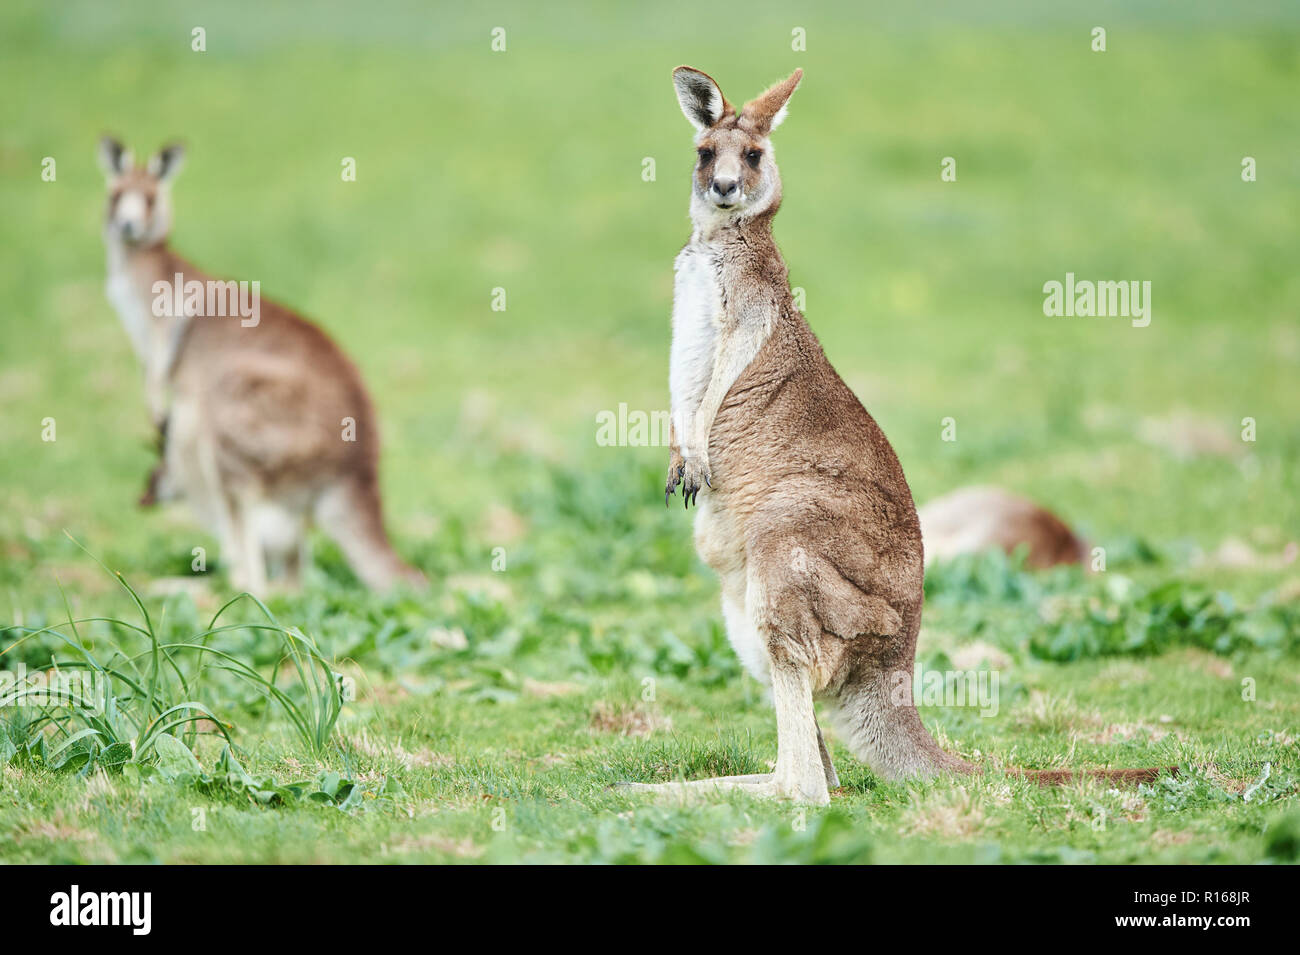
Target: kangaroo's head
<point>735,174</point>
<point>139,197</point>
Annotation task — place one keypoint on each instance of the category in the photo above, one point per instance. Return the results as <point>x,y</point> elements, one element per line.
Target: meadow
<point>570,638</point>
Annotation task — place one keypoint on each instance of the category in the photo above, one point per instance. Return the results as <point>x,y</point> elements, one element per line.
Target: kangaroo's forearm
<point>737,346</point>
<point>685,407</point>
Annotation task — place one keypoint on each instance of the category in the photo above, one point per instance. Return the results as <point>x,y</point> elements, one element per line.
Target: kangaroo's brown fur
<point>253,418</point>
<point>972,519</point>
<point>803,509</point>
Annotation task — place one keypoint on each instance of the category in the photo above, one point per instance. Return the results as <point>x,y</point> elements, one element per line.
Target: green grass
<point>494,713</point>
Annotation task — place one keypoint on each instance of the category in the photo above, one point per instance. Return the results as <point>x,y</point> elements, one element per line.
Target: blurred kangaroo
<point>974,519</point>
<point>803,509</point>
<point>264,424</point>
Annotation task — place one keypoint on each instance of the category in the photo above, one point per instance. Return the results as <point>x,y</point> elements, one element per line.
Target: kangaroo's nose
<point>724,187</point>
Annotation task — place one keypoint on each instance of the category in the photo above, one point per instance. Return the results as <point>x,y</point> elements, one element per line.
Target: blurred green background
<point>522,170</point>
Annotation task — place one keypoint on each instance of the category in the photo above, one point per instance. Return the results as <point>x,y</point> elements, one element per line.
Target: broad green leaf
<point>174,760</point>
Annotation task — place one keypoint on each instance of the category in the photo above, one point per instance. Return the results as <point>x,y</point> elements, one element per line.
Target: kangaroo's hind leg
<point>249,571</point>
<point>800,772</point>
<point>803,769</point>
<point>281,528</point>
<point>832,777</point>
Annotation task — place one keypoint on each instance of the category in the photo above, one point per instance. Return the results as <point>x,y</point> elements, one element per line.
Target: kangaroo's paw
<point>695,475</point>
<point>676,470</point>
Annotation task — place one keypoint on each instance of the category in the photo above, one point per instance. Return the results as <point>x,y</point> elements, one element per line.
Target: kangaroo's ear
<point>702,101</point>
<point>768,111</point>
<point>167,163</point>
<point>114,158</point>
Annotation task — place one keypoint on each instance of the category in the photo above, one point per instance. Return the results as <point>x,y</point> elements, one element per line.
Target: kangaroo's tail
<point>877,717</point>
<point>1118,777</point>
<point>351,513</point>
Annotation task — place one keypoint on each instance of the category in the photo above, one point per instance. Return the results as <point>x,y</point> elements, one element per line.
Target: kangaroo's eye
<point>706,156</point>
<point>752,157</point>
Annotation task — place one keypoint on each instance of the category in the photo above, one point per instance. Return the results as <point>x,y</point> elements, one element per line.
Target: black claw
<point>675,476</point>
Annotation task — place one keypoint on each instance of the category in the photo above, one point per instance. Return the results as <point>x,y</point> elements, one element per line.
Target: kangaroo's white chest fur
<point>157,340</point>
<point>697,318</point>
<point>701,334</point>
<point>131,307</point>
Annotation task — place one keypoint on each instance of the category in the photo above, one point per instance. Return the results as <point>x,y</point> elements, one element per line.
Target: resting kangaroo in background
<point>252,413</point>
<point>974,519</point>
<point>803,509</point>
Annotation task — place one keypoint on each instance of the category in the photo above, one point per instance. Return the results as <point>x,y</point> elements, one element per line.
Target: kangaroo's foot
<point>755,784</point>
<point>807,780</point>
<point>763,785</point>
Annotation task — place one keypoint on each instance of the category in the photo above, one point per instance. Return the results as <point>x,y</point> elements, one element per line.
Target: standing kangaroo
<point>802,507</point>
<point>264,423</point>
